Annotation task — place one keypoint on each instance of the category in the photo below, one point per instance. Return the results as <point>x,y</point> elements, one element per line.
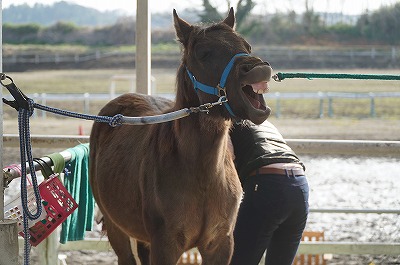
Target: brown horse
<point>173,185</point>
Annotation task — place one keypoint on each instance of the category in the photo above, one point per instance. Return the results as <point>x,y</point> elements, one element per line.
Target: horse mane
<point>185,98</point>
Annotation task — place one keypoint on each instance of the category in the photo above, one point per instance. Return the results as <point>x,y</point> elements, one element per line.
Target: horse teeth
<point>260,88</point>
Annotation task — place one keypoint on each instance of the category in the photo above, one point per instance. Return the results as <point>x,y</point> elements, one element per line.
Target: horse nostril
<point>245,68</point>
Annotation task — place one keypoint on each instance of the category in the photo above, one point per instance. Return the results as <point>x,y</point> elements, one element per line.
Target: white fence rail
<point>300,146</point>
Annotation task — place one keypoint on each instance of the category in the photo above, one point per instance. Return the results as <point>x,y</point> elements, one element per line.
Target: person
<point>274,209</point>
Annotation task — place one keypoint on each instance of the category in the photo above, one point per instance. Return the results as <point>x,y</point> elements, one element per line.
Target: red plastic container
<point>58,204</point>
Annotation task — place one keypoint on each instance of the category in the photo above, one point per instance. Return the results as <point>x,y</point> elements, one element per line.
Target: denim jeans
<point>272,217</point>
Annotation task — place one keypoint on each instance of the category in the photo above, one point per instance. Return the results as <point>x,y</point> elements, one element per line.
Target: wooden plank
<point>349,248</point>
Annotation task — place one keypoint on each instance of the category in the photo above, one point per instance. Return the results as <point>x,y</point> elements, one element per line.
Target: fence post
<point>35,97</point>
<point>330,106</point>
<point>153,85</point>
<point>44,102</point>
<point>321,105</point>
<point>86,103</point>
<point>372,108</point>
<point>112,89</point>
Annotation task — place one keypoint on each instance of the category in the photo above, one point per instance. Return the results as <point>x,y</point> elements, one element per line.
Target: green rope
<point>282,76</point>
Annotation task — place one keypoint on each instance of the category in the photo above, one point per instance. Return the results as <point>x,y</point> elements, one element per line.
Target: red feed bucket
<point>58,204</point>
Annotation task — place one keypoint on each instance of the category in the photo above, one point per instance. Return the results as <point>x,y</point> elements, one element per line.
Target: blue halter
<point>220,90</point>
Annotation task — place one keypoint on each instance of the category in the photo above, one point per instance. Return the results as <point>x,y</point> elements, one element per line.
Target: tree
<point>23,33</point>
<point>382,25</point>
<point>210,13</point>
<point>242,12</point>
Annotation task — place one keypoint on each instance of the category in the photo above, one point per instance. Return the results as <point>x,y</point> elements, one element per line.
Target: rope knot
<point>116,120</point>
<point>31,106</point>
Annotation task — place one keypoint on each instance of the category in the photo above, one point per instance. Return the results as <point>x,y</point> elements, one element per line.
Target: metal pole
<point>8,228</point>
<point>143,48</point>
<point>1,116</point>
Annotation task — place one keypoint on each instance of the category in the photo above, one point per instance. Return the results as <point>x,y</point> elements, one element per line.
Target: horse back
<point>136,105</point>
<point>116,157</point>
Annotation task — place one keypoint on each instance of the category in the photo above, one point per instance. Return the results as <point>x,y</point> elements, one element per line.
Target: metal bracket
<point>21,100</point>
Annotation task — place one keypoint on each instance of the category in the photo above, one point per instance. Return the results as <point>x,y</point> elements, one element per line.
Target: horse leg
<point>217,254</point>
<point>140,251</point>
<point>144,253</point>
<point>164,251</point>
<point>120,242</point>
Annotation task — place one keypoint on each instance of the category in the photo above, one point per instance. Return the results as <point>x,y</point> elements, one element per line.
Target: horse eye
<point>203,54</point>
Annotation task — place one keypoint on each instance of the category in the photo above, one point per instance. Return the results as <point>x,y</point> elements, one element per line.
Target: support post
<point>143,48</point>
<point>1,116</point>
<point>47,250</point>
<point>8,228</point>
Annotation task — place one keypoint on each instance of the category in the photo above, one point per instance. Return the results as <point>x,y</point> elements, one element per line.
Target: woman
<point>274,210</point>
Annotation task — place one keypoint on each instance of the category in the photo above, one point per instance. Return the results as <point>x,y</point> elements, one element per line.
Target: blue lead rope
<point>25,107</point>
<point>26,155</point>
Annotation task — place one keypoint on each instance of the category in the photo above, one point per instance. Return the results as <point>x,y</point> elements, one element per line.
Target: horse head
<point>217,63</point>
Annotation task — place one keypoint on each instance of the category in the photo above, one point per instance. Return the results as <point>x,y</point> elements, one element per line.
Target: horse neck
<point>200,132</point>
<point>202,143</point>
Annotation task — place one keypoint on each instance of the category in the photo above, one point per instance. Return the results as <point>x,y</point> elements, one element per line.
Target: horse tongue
<point>260,87</point>
<point>256,104</point>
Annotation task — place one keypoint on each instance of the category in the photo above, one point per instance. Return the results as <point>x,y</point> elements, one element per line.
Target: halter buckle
<point>221,91</point>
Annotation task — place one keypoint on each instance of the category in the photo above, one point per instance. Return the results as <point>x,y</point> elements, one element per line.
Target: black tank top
<point>259,145</point>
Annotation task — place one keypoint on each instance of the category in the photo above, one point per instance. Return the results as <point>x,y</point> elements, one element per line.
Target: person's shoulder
<point>268,126</point>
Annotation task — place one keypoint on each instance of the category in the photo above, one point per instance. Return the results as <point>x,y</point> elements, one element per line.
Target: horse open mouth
<point>254,94</point>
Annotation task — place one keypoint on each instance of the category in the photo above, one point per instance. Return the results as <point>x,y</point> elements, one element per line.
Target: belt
<point>278,171</point>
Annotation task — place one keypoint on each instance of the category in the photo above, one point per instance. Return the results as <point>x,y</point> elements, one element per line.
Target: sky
<point>350,7</point>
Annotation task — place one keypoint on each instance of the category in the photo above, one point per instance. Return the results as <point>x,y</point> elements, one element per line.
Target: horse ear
<point>230,19</point>
<point>182,28</point>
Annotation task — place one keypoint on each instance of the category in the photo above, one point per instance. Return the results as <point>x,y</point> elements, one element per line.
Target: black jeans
<point>272,217</point>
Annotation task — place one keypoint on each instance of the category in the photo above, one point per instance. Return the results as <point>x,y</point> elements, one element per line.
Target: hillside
<point>60,11</point>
